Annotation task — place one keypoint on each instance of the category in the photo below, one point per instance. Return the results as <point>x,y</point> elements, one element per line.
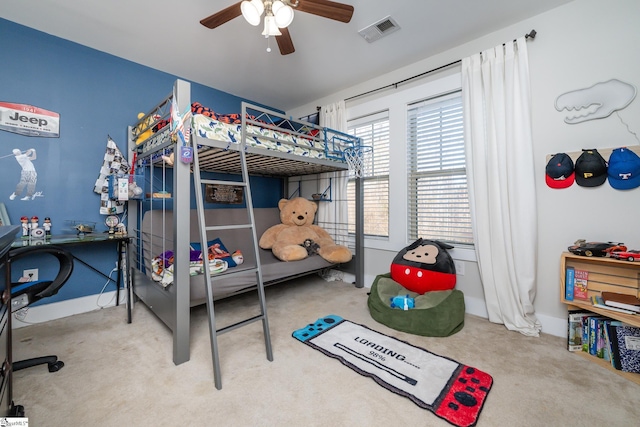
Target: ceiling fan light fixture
<point>283,13</point>
<point>278,16</point>
<point>252,11</point>
<point>270,27</point>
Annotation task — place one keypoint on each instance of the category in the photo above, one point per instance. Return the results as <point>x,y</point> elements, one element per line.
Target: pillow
<point>197,108</point>
<point>217,250</point>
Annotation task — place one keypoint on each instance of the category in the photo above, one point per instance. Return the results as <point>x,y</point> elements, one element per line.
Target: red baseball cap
<point>560,171</point>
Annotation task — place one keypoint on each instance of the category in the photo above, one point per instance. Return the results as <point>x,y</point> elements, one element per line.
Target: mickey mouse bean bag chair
<point>424,271</point>
<point>424,266</point>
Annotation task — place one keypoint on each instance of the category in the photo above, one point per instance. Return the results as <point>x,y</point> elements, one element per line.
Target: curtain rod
<point>530,35</point>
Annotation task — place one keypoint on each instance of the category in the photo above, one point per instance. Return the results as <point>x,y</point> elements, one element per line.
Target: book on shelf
<point>597,301</point>
<point>569,283</point>
<point>574,336</point>
<point>625,344</point>
<point>585,333</point>
<point>624,301</point>
<point>588,334</point>
<point>580,284</point>
<point>613,357</point>
<point>594,339</point>
<point>601,343</point>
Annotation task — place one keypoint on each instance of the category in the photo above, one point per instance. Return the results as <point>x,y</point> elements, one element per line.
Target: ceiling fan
<point>278,15</point>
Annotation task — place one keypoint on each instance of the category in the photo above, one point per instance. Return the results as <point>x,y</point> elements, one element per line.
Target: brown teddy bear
<point>289,240</point>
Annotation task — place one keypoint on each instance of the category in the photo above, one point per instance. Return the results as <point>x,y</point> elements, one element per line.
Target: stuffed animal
<point>424,266</point>
<point>144,129</point>
<point>403,302</point>
<point>311,246</point>
<point>169,160</point>
<point>287,239</point>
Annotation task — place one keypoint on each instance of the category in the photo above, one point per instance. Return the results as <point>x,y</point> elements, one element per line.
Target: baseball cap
<point>559,171</point>
<point>591,169</point>
<point>624,169</point>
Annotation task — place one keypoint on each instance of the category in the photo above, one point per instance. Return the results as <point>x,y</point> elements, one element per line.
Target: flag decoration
<point>114,164</point>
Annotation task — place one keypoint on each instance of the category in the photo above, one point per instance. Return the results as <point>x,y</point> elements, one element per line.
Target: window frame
<point>396,101</point>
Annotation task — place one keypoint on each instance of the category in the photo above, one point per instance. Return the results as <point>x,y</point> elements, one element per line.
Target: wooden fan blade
<point>223,16</point>
<point>284,42</point>
<point>327,9</point>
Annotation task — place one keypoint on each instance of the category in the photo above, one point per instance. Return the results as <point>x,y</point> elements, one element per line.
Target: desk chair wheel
<point>53,364</point>
<point>16,411</point>
<point>55,367</point>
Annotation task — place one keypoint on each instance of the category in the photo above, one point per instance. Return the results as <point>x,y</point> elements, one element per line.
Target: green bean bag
<point>436,313</point>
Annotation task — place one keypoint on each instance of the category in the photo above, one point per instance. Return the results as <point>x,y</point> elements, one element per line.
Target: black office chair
<point>25,294</point>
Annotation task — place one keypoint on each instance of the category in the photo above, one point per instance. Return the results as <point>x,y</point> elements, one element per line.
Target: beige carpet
<point>119,374</point>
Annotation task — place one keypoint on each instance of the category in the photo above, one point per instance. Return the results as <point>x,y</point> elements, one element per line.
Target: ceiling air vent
<point>379,29</point>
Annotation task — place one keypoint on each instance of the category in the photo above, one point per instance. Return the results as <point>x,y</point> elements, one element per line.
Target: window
<point>374,131</point>
<point>437,178</point>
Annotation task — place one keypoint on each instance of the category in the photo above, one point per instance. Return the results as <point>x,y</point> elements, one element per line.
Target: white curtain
<point>333,216</point>
<point>500,171</point>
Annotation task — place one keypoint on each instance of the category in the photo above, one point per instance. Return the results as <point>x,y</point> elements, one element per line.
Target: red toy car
<point>599,249</point>
<point>630,255</point>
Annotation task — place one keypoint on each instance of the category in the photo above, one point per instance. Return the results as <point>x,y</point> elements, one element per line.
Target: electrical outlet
<point>21,314</point>
<point>459,267</point>
<point>32,274</point>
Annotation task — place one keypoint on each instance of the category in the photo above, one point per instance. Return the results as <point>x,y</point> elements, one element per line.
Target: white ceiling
<point>330,55</point>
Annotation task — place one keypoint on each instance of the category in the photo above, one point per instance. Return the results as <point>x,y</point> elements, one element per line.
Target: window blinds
<point>374,131</point>
<point>437,180</point>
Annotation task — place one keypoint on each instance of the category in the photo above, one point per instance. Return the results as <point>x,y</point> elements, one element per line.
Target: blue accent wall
<point>96,95</point>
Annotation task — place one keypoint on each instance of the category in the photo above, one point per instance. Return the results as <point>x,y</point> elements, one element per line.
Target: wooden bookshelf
<point>605,274</point>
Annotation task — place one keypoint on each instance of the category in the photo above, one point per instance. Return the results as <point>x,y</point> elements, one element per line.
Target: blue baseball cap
<point>624,169</point>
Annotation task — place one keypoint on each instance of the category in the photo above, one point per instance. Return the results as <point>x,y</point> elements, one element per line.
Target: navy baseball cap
<point>559,171</point>
<point>591,169</point>
<point>624,169</point>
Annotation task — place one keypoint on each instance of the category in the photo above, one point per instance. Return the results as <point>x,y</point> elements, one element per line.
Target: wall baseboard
<point>57,310</point>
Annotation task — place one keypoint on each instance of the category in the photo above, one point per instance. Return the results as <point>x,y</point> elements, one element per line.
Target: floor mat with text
<point>452,391</point>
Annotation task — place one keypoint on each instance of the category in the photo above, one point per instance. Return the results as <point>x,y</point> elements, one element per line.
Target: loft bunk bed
<point>164,222</point>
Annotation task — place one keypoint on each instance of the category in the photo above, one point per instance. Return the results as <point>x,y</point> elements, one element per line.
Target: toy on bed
<point>151,125</point>
<point>197,108</point>
<point>424,266</point>
<point>145,129</point>
<point>286,240</point>
<point>311,246</point>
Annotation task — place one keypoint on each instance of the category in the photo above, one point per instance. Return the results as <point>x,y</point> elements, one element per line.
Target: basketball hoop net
<point>358,159</point>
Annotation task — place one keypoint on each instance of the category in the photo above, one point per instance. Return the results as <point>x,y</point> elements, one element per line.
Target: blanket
<point>219,261</point>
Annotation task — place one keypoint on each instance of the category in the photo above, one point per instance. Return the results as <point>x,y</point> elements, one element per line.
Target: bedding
<point>219,261</point>
<point>207,127</point>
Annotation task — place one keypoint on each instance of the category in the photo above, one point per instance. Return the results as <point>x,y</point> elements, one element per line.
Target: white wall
<point>578,45</point>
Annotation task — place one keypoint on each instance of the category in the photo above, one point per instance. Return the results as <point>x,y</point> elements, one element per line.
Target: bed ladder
<point>199,181</point>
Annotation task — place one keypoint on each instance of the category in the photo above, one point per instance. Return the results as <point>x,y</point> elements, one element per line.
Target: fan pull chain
<point>268,43</point>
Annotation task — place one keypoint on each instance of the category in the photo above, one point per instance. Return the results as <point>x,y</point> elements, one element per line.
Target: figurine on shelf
<point>47,226</point>
<point>34,223</point>
<point>121,229</point>
<point>25,227</point>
